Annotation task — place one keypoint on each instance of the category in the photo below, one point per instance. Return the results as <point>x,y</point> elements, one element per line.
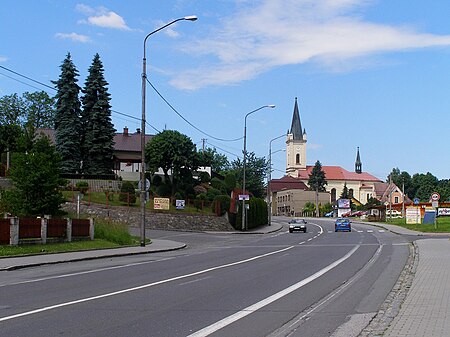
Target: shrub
<point>163,190</point>
<point>221,204</point>
<point>212,193</point>
<point>127,192</point>
<point>204,177</point>
<point>218,184</point>
<point>199,201</point>
<point>82,186</point>
<point>156,181</point>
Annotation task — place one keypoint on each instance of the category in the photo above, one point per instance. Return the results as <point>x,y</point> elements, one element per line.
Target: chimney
<point>138,130</point>
<point>125,131</point>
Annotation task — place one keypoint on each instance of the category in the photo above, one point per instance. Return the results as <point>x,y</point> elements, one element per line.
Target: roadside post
<point>435,196</point>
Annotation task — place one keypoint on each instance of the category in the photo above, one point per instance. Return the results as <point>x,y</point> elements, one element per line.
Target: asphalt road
<point>317,283</point>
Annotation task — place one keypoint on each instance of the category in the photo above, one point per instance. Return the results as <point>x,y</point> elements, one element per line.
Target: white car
<point>393,213</point>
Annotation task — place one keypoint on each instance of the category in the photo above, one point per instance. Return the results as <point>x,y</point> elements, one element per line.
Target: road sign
<point>416,201</point>
<point>435,196</point>
<point>147,185</point>
<point>244,197</point>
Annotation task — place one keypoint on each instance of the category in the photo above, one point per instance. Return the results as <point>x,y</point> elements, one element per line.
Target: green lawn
<point>442,225</point>
<point>107,235</point>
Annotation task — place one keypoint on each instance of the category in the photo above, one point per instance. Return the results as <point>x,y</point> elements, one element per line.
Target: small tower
<point>358,164</point>
<point>295,145</point>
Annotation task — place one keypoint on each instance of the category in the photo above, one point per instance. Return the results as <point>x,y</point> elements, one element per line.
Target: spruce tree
<point>96,121</point>
<point>67,117</point>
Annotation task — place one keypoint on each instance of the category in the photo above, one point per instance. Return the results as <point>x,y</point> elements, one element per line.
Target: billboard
<point>161,203</point>
<point>443,211</point>
<point>343,203</point>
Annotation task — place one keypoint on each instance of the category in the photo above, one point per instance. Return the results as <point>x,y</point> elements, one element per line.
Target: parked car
<point>342,224</point>
<point>297,225</point>
<point>347,214</point>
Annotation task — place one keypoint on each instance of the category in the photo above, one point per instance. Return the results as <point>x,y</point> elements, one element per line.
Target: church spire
<point>296,125</point>
<point>358,164</point>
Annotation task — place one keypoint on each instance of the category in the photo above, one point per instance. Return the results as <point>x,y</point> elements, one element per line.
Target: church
<point>294,185</point>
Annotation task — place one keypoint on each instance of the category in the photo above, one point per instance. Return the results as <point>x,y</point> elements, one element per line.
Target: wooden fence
<point>14,231</point>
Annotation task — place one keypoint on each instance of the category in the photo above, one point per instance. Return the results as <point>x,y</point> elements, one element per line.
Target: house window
<point>350,193</point>
<point>333,194</point>
<point>396,201</point>
<point>297,158</point>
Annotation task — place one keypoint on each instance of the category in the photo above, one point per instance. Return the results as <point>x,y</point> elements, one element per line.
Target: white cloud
<point>73,37</point>
<point>287,32</point>
<point>3,58</point>
<point>102,17</point>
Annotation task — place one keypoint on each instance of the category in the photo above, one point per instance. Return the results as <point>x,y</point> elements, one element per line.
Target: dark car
<point>297,225</point>
<point>342,224</point>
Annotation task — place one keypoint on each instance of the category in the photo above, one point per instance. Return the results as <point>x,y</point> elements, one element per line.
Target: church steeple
<point>358,164</point>
<point>295,145</point>
<point>296,125</point>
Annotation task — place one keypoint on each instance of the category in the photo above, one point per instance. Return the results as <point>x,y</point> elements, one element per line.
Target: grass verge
<point>107,235</point>
<point>442,225</point>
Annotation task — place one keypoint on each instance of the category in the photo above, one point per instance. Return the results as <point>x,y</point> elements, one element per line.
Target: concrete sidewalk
<point>426,309</point>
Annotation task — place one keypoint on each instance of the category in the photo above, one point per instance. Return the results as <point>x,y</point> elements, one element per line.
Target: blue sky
<point>373,74</point>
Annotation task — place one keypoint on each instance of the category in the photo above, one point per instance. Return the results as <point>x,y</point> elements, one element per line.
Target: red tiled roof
<point>130,142</point>
<point>338,173</point>
<point>287,183</point>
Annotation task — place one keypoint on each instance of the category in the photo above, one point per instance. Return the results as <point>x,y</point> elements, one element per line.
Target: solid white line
<point>65,304</point>
<point>247,311</point>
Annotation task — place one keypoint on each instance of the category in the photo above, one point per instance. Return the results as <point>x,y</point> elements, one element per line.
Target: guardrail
<point>15,231</point>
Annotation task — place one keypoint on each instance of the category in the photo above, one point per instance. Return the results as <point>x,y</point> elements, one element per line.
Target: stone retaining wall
<point>155,220</point>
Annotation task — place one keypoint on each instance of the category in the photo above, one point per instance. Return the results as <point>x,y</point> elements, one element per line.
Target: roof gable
<point>338,173</point>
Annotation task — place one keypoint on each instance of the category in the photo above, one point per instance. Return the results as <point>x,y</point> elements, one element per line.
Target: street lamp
<point>144,79</point>
<point>269,178</point>
<point>245,159</point>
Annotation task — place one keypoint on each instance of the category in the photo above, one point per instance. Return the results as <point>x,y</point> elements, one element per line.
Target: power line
<point>183,118</point>
<point>54,89</point>
<point>224,150</point>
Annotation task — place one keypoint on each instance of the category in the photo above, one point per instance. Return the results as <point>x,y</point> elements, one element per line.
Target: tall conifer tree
<point>67,117</point>
<point>96,122</point>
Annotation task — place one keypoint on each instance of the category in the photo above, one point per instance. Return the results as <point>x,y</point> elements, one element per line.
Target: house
<point>126,161</point>
<point>289,196</point>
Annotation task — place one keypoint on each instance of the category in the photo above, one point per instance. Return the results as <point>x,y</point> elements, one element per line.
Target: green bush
<point>164,190</point>
<point>127,192</point>
<point>156,181</point>
<point>256,214</point>
<point>199,201</point>
<point>221,204</point>
<point>212,193</point>
<point>82,186</point>
<point>218,184</point>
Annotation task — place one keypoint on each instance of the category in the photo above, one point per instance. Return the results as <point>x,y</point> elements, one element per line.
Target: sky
<point>373,74</point>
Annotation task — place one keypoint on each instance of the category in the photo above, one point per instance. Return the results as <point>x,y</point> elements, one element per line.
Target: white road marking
<point>86,272</point>
<point>369,231</point>
<point>119,292</point>
<point>252,308</point>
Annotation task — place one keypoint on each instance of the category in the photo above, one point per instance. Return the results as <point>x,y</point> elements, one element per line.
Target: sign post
<point>435,196</point>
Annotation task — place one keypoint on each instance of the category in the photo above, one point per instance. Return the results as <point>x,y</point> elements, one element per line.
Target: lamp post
<point>144,79</point>
<point>269,178</point>
<point>245,159</point>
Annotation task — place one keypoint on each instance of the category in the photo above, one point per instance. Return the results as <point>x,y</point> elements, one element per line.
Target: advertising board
<point>161,203</point>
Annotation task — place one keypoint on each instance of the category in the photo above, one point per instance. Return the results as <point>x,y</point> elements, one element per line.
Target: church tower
<point>295,145</point>
<point>358,164</point>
